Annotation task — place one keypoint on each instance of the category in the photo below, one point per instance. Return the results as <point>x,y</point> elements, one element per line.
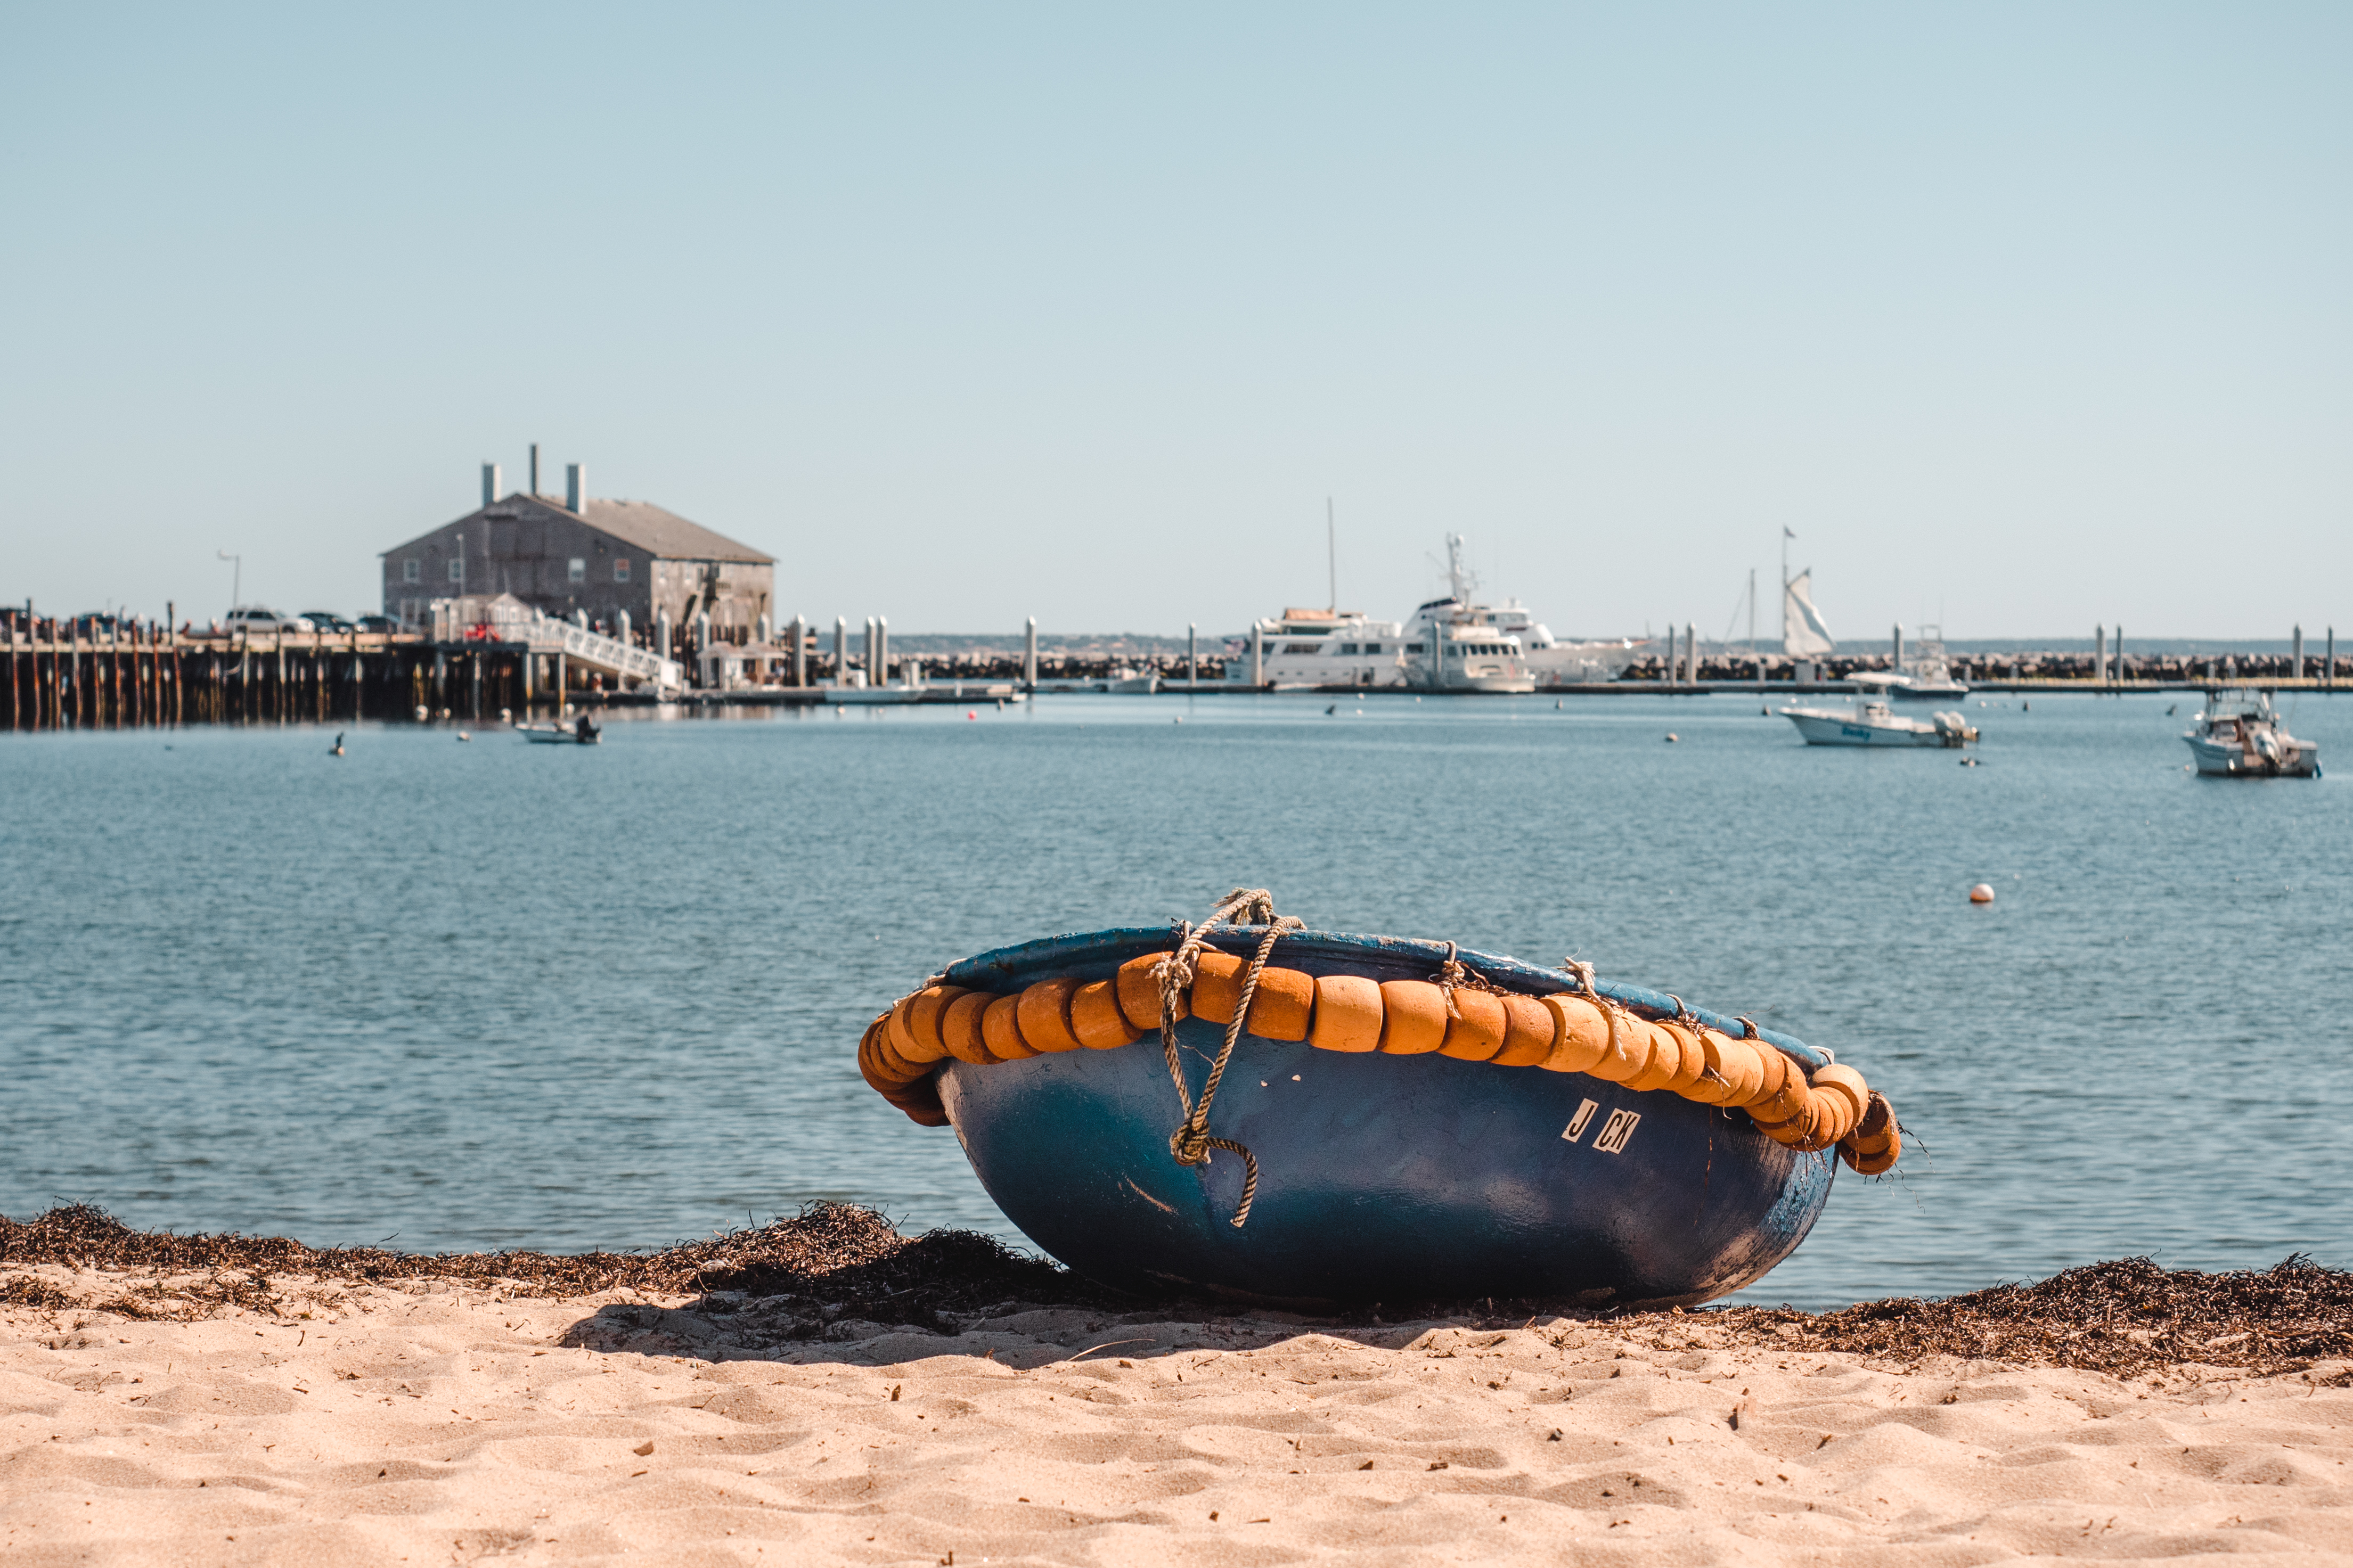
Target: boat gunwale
<point>1097,954</point>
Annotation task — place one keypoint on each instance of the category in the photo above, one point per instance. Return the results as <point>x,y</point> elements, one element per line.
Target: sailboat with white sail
<point>1804,633</point>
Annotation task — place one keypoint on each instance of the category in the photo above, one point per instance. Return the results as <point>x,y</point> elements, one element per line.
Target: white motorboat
<point>1923,675</point>
<point>1872,722</point>
<point>2239,736</point>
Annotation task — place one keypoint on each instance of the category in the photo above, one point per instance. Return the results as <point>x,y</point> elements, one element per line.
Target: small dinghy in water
<point>1392,1121</point>
<point>583,731</point>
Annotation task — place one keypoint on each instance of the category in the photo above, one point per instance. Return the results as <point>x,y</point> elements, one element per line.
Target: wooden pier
<point>63,677</point>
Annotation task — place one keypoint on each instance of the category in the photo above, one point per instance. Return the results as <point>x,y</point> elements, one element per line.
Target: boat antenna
<point>1332,554</point>
<point>1458,576</point>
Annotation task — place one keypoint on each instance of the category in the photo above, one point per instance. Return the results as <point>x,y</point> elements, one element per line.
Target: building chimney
<point>534,467</point>
<point>575,488</point>
<point>490,483</point>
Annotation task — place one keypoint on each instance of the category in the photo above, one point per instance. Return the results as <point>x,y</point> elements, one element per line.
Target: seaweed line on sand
<point>846,1263</point>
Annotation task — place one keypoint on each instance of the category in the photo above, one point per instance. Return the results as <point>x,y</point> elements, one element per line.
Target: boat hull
<point>1836,730</point>
<point>1383,1178</point>
<point>2300,762</point>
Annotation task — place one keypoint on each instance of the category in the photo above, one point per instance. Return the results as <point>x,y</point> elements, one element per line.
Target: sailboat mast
<point>1785,588</point>
<point>1752,609</point>
<point>1332,554</point>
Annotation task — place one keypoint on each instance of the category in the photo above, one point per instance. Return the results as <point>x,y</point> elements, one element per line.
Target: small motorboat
<point>1267,1113</point>
<point>1872,722</point>
<point>2239,736</point>
<point>1923,674</point>
<point>582,732</point>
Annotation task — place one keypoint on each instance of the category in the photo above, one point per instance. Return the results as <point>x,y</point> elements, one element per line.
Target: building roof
<point>649,527</point>
<point>665,533</point>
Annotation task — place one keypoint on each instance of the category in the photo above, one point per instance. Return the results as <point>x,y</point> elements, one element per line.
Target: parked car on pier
<point>325,621</point>
<point>382,625</point>
<point>254,618</point>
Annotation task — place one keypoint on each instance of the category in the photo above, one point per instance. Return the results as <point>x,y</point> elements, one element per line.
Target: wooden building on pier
<point>605,557</point>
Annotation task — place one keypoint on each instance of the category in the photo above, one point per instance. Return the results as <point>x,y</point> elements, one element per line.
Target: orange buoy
<point>1043,1015</point>
<point>1527,1032</point>
<point>960,1029</point>
<point>1476,1031</point>
<point>1000,1030</point>
<point>1981,894</point>
<point>1283,1005</point>
<point>1096,1020</point>
<point>1413,1017</point>
<point>1348,1014</point>
<point>1666,1059</point>
<point>1139,992</point>
<point>1217,985</point>
<point>1580,1032</point>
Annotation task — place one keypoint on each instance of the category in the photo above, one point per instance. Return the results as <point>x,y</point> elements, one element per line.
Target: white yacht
<point>1307,649</point>
<point>1498,647</point>
<point>2239,736</point>
<point>1872,722</point>
<point>1453,644</point>
<point>1449,648</point>
<point>1551,661</point>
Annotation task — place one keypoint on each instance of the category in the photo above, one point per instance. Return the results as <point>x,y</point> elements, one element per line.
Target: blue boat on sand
<point>1369,1141</point>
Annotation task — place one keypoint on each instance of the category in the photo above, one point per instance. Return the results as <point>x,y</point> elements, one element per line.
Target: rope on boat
<point>1190,1144</point>
<point>1459,1013</point>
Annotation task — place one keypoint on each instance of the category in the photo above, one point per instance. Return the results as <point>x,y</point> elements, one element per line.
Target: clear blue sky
<point>2033,315</point>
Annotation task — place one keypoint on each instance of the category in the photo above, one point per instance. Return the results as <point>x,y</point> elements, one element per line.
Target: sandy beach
<point>439,1421</point>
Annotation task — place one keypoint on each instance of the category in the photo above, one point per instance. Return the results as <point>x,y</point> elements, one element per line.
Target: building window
<point>456,568</point>
<point>579,570</point>
<point>408,569</point>
<point>621,568</point>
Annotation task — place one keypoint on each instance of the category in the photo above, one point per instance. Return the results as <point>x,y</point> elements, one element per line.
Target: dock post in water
<point>1258,655</point>
<point>2328,663</point>
<point>1030,656</point>
<point>2296,653</point>
<point>1192,656</point>
<point>2099,655</point>
<point>800,652</point>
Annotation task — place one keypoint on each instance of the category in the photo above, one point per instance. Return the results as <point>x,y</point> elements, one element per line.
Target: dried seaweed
<point>834,1262</point>
<point>2124,1317</point>
<point>866,1269</point>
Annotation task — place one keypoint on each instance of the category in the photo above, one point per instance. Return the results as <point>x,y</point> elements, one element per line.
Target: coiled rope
<point>1190,1144</point>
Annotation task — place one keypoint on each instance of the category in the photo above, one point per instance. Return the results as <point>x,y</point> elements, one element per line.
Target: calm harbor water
<point>488,995</point>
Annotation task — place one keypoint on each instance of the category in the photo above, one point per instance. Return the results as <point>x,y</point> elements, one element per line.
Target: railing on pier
<point>548,635</point>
